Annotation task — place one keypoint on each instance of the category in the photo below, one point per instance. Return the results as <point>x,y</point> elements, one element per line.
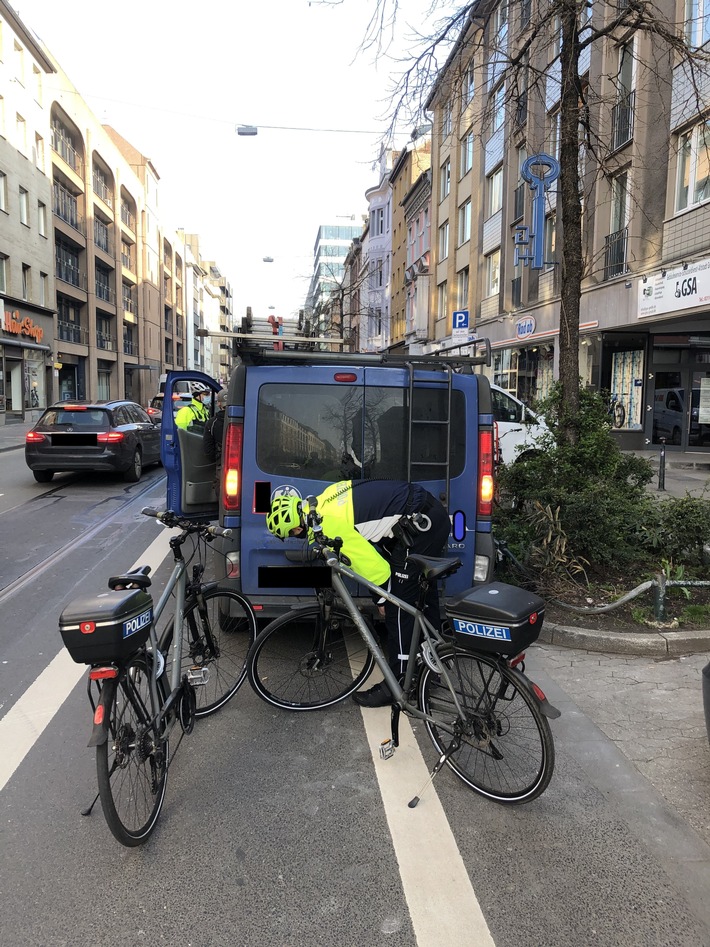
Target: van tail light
<point>486,484</point>
<point>109,437</point>
<point>34,437</point>
<point>232,467</point>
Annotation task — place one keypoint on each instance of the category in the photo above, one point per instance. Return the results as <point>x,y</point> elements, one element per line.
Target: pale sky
<point>176,79</point>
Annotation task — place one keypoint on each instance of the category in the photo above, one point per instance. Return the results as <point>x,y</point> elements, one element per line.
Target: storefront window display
<point>623,359</point>
<point>35,390</point>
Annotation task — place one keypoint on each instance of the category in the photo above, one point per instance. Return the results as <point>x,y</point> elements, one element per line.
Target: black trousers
<point>404,581</point>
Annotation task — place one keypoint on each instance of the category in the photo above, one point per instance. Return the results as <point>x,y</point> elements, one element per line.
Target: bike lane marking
<point>27,719</point>
<point>442,904</point>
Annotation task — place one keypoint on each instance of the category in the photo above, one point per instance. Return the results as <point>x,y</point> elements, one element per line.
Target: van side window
<point>336,432</point>
<point>504,408</point>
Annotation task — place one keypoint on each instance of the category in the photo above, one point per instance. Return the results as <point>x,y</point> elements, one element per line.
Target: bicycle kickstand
<point>387,747</point>
<point>450,750</point>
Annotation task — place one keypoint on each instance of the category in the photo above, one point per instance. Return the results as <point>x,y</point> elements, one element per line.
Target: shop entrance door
<point>681,399</point>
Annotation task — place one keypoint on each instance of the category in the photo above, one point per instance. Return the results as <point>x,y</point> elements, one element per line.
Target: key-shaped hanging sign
<point>540,171</point>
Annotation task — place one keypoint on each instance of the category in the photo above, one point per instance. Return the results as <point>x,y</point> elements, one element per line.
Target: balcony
<point>70,273</point>
<point>127,261</point>
<point>615,253</point>
<point>129,304</point>
<point>64,206</point>
<point>622,121</point>
<point>128,217</point>
<point>102,237</point>
<point>105,341</point>
<point>105,292</point>
<point>72,332</point>
<point>63,147</point>
<point>102,190</point>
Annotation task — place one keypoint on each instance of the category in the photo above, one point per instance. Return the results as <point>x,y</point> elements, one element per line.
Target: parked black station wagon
<point>101,435</point>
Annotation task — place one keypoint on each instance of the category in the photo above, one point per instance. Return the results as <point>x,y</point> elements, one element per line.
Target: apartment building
<point>26,245</point>
<point>646,218</point>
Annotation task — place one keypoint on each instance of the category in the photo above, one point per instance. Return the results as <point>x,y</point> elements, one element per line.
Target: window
<point>24,207</point>
<point>550,229</point>
<point>3,191</point>
<point>26,281</point>
<point>498,109</point>
<point>446,119</point>
<point>464,232</point>
<point>466,152</point>
<point>553,134</point>
<point>494,192</point>
<point>620,201</point>
<point>470,83</point>
<point>3,273</point>
<point>693,186</point>
<point>19,63</point>
<point>556,44</point>
<point>493,273</point>
<point>697,22</point>
<point>445,179</point>
<point>377,222</point>
<point>444,240</point>
<point>21,129</point>
<point>39,152</point>
<point>42,218</point>
<point>462,289</point>
<point>43,298</point>
<point>500,24</point>
<point>37,80</point>
<point>442,301</point>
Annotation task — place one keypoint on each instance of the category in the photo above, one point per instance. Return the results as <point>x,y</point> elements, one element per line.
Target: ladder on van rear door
<point>419,425</point>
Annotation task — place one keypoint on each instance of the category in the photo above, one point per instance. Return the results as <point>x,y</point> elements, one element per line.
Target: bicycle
<point>141,683</point>
<point>487,720</point>
<point>617,411</point>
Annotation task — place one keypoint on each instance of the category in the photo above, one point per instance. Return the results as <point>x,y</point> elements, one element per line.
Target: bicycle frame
<point>422,627</point>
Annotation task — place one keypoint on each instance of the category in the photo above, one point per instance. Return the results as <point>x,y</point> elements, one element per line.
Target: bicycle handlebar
<point>172,520</point>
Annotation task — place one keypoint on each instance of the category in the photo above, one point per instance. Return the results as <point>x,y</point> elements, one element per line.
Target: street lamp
<point>267,259</point>
<point>247,130</point>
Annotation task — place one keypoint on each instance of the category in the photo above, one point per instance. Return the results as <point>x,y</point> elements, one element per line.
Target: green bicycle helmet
<point>285,515</point>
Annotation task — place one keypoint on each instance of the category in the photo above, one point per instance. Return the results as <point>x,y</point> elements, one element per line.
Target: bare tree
<point>558,40</point>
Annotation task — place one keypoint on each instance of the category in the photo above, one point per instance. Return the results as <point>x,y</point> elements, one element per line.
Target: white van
<point>519,429</point>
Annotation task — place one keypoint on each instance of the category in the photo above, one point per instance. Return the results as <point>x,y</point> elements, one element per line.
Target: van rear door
<point>191,476</point>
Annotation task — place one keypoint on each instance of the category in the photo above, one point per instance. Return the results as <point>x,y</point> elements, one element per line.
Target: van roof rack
<point>259,355</point>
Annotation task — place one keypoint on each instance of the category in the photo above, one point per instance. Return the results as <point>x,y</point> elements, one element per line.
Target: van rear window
<point>338,432</point>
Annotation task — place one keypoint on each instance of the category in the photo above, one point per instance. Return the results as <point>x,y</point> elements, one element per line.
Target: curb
<point>12,447</point>
<point>663,643</point>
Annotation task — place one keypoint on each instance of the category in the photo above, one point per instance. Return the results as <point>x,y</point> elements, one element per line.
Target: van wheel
<point>43,476</point>
<point>133,474</point>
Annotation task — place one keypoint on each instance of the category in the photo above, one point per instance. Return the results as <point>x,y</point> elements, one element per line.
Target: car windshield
<point>90,419</point>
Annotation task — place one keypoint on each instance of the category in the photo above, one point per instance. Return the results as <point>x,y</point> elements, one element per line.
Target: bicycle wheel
<point>132,765</point>
<point>218,629</point>
<point>506,751</point>
<point>301,661</point>
<point>619,414</point>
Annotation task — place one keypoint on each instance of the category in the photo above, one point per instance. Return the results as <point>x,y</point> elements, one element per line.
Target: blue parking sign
<point>459,319</point>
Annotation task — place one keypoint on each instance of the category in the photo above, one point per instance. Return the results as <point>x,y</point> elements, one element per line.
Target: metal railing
<point>102,237</point>
<point>102,190</point>
<point>128,217</point>
<point>72,332</point>
<point>64,205</point>
<point>67,152</point>
<point>622,121</point>
<point>105,292</point>
<point>127,261</point>
<point>129,304</point>
<point>615,253</point>
<point>105,341</point>
<point>70,273</point>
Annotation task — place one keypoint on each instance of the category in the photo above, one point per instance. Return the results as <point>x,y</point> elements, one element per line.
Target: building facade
<point>645,199</point>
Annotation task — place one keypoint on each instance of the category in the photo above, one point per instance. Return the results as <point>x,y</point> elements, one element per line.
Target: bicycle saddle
<point>435,568</point>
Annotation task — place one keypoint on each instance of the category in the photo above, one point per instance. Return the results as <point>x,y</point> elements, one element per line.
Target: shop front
<point>25,364</point>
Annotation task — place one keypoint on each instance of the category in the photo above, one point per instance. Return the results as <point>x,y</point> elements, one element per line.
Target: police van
<point>297,421</point>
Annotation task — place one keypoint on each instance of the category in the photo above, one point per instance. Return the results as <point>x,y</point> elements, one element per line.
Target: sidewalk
<point>12,436</point>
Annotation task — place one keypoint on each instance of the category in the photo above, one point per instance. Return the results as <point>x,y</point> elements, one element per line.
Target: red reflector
<point>109,437</point>
<point>257,608</point>
<point>516,661</point>
<point>100,674</point>
<point>533,618</point>
<point>73,407</point>
<point>539,693</point>
<point>232,467</point>
<point>345,376</point>
<point>87,627</point>
<point>99,714</point>
<point>34,437</point>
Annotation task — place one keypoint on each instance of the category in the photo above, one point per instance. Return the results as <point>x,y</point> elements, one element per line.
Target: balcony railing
<point>72,332</point>
<point>622,121</point>
<point>129,304</point>
<point>102,190</point>
<point>129,346</point>
<point>105,292</point>
<point>70,273</point>
<point>168,324</point>
<point>128,217</point>
<point>615,253</point>
<point>64,206</point>
<point>127,261</point>
<point>65,151</point>
<point>105,341</point>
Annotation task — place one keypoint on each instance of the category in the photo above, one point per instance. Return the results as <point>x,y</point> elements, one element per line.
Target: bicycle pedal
<point>387,749</point>
<point>198,676</point>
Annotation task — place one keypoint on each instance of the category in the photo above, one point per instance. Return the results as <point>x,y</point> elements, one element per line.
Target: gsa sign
<point>524,328</point>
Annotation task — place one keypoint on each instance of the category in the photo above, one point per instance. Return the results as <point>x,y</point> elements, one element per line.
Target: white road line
<point>442,903</point>
<point>25,722</point>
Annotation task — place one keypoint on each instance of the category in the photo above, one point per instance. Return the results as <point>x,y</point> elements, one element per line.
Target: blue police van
<point>297,421</point>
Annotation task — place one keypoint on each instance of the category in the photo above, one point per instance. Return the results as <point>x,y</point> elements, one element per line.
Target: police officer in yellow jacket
<point>365,514</point>
<point>196,413</point>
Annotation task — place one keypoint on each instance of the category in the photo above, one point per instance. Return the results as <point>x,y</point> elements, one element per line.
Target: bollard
<point>662,466</point>
<point>706,697</point>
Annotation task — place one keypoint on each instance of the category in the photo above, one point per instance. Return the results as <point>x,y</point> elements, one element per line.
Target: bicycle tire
<point>229,620</point>
<point>618,414</point>
<point>507,753</point>
<point>288,666</point>
<point>132,764</point>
